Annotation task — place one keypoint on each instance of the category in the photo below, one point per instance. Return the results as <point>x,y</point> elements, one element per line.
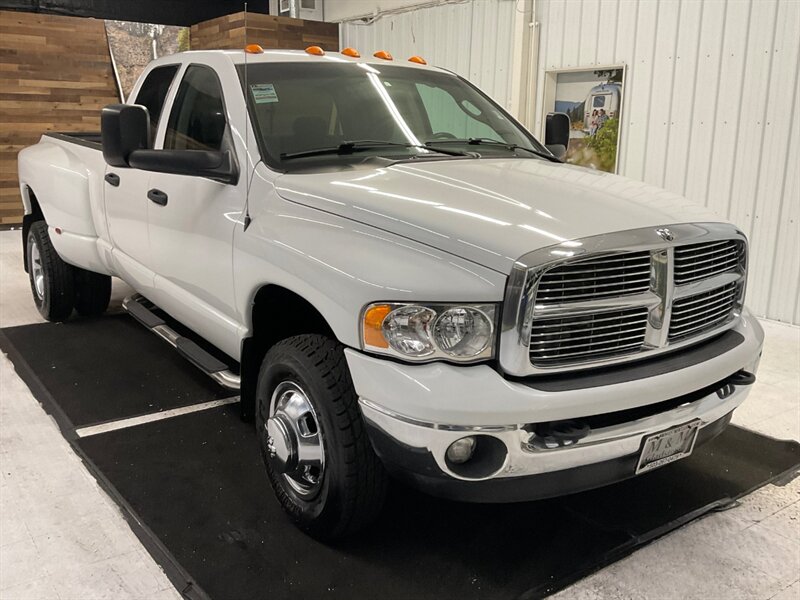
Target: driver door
<point>191,219</point>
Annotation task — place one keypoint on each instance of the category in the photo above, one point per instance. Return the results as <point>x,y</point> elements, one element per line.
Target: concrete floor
<point>61,536</point>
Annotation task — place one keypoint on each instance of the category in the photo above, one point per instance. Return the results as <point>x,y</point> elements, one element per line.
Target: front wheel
<point>51,278</point>
<point>318,457</point>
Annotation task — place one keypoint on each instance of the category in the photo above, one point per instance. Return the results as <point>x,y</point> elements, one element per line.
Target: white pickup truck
<point>398,277</point>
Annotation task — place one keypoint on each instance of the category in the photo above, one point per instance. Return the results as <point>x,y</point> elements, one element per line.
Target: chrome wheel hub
<point>35,267</point>
<point>294,439</point>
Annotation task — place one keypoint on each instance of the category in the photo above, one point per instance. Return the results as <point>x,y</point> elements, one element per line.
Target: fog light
<point>461,450</point>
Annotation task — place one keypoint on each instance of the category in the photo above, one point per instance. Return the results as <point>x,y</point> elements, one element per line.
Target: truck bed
<point>90,139</point>
<point>72,200</point>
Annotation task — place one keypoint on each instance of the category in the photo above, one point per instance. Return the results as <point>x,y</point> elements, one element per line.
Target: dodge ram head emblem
<point>665,234</point>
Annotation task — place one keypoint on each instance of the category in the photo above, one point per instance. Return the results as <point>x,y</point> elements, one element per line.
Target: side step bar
<point>216,369</point>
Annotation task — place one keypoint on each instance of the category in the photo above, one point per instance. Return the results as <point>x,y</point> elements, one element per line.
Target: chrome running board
<point>136,306</point>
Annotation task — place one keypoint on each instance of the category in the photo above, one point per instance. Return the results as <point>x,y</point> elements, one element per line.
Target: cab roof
<point>237,57</point>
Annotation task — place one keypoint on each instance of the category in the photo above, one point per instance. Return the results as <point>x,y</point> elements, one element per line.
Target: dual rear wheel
<point>58,288</point>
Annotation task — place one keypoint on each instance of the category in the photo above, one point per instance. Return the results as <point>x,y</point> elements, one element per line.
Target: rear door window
<point>154,91</point>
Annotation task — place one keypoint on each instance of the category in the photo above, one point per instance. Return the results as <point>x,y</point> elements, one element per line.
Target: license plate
<point>668,446</point>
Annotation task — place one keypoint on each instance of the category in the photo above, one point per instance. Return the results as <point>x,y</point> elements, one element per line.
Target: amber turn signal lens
<point>418,59</point>
<point>373,325</point>
<point>315,50</point>
<point>253,49</point>
<point>383,55</point>
<point>351,52</point>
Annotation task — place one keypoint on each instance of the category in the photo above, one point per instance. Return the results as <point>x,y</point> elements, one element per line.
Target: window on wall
<point>451,119</point>
<point>307,9</point>
<point>153,93</point>
<point>197,120</point>
<point>304,4</point>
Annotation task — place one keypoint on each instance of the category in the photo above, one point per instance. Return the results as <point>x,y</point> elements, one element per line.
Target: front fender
<point>339,266</point>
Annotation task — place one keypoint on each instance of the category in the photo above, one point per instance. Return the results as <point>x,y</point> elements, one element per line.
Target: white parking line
<point>158,416</point>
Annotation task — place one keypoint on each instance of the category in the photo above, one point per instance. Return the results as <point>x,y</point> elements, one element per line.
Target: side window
<point>197,120</point>
<point>447,117</point>
<point>154,91</point>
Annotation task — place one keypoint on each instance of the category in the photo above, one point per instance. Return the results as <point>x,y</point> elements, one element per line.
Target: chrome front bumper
<point>526,455</point>
<point>479,401</point>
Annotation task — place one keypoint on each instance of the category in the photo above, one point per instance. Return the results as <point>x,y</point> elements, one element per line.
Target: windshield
<point>298,108</point>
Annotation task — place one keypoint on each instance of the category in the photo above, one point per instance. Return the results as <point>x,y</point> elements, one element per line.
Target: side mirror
<point>556,134</point>
<point>124,128</point>
<point>219,166</point>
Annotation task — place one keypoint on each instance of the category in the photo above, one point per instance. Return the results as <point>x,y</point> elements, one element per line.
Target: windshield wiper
<point>350,147</point>
<point>508,146</point>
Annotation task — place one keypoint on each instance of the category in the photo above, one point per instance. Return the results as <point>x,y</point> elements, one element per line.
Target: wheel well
<point>278,313</point>
<point>28,220</point>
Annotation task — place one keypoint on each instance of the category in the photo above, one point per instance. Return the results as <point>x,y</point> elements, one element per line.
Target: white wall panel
<point>473,38</point>
<point>343,10</point>
<point>681,125</point>
<point>711,112</point>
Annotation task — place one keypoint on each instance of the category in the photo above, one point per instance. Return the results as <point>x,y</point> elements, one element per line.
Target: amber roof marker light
<point>351,52</point>
<point>253,49</point>
<point>383,55</point>
<point>315,50</point>
<point>418,59</point>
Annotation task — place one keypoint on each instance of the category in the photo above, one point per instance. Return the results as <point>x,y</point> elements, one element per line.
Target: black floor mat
<point>107,368</point>
<point>200,485</point>
<point>197,493</point>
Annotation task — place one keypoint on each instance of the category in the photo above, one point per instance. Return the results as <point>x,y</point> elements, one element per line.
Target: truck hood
<point>490,211</point>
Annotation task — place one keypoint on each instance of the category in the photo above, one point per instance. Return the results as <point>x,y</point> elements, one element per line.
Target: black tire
<point>92,292</point>
<point>52,280</point>
<point>352,486</point>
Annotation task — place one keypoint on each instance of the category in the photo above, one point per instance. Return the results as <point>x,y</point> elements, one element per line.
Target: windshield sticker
<point>264,93</point>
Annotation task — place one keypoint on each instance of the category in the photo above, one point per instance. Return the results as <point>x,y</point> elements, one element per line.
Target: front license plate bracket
<point>667,446</point>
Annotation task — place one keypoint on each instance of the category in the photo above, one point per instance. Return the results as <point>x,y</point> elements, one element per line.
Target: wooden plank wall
<point>266,30</point>
<point>55,75</point>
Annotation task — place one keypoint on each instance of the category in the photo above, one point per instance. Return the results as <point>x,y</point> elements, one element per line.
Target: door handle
<point>112,178</point>
<point>158,197</point>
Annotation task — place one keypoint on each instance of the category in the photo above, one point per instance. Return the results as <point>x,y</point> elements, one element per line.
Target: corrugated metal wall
<point>473,38</point>
<point>711,99</point>
<point>711,112</point>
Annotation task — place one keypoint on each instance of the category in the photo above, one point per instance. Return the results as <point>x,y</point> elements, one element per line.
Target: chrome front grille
<point>608,299</point>
<point>587,336</point>
<point>701,261</point>
<point>703,311</point>
<point>595,278</point>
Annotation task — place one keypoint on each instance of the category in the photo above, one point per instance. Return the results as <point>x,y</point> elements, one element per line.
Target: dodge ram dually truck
<point>397,276</point>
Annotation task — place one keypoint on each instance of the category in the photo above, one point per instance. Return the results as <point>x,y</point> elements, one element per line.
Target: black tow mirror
<point>219,166</point>
<point>556,134</point>
<point>124,129</point>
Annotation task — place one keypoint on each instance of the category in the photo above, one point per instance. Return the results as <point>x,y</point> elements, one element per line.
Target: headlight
<point>408,330</point>
<point>417,332</point>
<point>463,332</point>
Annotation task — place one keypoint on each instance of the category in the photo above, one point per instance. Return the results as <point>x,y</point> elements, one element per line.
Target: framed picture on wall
<point>592,97</point>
